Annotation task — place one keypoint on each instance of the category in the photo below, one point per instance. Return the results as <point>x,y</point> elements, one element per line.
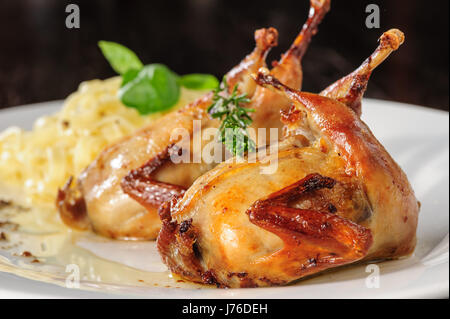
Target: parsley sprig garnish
<point>235,119</point>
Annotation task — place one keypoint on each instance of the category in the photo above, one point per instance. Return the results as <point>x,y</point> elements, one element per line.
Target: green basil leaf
<point>128,76</point>
<point>120,57</point>
<point>154,89</point>
<point>198,81</point>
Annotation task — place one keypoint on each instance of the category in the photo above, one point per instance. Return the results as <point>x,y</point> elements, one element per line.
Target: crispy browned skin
<point>72,207</point>
<point>136,172</point>
<point>313,239</point>
<point>336,198</point>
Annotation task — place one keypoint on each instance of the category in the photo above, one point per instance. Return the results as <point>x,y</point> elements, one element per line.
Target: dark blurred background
<point>41,60</point>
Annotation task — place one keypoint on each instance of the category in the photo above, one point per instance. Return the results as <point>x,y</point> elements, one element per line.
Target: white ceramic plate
<point>418,138</point>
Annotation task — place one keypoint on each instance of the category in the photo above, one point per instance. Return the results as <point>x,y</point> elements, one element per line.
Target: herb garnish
<point>150,88</point>
<point>235,119</point>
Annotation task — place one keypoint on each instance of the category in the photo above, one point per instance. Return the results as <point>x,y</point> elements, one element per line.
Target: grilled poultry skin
<point>119,194</point>
<point>337,197</point>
